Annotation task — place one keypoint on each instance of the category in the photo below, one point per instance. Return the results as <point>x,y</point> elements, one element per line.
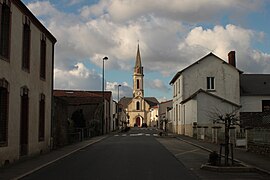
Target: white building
<point>26,79</point>
<point>255,100</point>
<point>205,88</point>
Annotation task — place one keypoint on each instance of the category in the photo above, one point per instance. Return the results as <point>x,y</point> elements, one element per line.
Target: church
<point>138,108</point>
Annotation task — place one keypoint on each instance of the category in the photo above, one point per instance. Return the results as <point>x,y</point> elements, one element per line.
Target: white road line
<point>155,134</point>
<point>147,134</point>
<point>116,135</point>
<point>124,134</point>
<point>178,154</point>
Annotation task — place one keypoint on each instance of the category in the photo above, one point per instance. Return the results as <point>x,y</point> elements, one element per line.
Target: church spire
<point>138,58</point>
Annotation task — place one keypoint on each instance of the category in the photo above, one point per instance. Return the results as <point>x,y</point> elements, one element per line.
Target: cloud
<point>190,11</point>
<point>77,78</point>
<point>157,84</point>
<point>124,90</point>
<point>169,35</point>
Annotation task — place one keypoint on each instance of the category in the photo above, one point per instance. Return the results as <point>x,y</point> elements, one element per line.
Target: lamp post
<point>118,114</point>
<point>103,103</point>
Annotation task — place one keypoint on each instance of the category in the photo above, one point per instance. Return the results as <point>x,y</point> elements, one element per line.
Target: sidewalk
<point>29,165</point>
<point>260,162</point>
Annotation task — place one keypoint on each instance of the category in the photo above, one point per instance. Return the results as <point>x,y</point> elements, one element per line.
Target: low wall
<point>259,148</point>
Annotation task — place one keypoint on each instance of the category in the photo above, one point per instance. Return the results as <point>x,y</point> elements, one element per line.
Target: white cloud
<point>187,10</point>
<point>157,84</point>
<point>169,38</point>
<point>79,77</point>
<point>124,90</point>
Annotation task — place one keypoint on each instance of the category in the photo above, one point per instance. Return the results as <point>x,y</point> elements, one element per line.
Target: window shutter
<point>5,30</point>
<point>3,114</point>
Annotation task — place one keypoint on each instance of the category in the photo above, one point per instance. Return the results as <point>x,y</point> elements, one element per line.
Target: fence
<point>80,134</point>
<point>255,140</point>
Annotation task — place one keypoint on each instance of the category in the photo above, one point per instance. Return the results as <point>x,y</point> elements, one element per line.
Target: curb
<point>57,159</point>
<point>259,170</point>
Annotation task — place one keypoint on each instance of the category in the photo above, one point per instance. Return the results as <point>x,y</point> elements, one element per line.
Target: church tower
<point>138,77</point>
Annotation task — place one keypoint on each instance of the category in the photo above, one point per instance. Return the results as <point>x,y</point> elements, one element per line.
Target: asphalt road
<point>130,156</point>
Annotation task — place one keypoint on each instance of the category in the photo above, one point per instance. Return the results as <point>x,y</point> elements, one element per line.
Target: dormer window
<point>210,83</point>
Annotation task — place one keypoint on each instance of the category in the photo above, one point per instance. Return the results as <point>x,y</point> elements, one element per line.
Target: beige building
<point>26,79</point>
<point>138,108</point>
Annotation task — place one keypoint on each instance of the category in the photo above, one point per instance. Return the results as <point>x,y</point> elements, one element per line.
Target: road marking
<point>155,134</point>
<point>124,135</point>
<point>116,135</point>
<point>147,134</point>
<point>178,154</point>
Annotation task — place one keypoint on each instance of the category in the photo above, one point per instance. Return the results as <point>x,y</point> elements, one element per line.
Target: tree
<point>229,120</point>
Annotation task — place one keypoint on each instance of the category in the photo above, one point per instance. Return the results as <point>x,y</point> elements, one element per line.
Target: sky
<point>172,34</point>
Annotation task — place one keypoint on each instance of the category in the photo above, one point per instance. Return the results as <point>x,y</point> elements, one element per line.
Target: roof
<point>82,94</point>
<point>33,19</point>
<point>125,101</point>
<point>152,101</point>
<point>210,94</point>
<point>197,62</point>
<point>255,84</point>
<point>138,58</point>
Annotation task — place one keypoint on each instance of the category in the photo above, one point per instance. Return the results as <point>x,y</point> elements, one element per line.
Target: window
<point>138,105</point>
<point>41,130</point>
<point>265,105</point>
<point>138,84</point>
<point>3,112</point>
<point>26,45</point>
<point>174,92</point>
<point>43,57</point>
<point>210,83</point>
<point>179,86</point>
<point>176,84</point>
<point>5,18</point>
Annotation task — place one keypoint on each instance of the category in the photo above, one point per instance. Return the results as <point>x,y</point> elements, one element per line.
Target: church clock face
<point>139,93</point>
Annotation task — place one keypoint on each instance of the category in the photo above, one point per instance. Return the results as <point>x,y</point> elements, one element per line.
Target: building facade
<point>138,108</point>
<point>26,82</point>
<point>80,112</point>
<point>203,90</point>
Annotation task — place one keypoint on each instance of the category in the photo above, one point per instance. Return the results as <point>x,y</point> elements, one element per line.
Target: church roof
<point>152,101</point>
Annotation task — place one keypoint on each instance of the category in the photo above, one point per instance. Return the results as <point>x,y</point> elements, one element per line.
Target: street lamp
<point>118,116</point>
<point>103,103</point>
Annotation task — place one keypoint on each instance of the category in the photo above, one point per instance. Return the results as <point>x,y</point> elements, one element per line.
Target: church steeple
<point>138,76</point>
<point>138,58</point>
<point>138,69</point>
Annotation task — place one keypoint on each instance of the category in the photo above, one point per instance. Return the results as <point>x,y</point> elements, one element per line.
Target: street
<point>132,155</point>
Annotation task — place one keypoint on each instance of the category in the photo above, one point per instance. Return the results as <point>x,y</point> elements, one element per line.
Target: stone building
<point>26,79</point>
<point>77,115</point>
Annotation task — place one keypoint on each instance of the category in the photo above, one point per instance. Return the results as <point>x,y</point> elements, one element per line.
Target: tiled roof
<point>255,84</point>
<point>152,101</point>
<point>83,96</point>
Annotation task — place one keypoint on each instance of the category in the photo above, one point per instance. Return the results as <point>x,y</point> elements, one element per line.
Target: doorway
<point>138,121</point>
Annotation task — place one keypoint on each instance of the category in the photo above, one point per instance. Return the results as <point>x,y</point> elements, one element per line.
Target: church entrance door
<point>138,121</point>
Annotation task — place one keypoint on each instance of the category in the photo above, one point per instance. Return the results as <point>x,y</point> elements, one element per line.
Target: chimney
<point>231,58</point>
